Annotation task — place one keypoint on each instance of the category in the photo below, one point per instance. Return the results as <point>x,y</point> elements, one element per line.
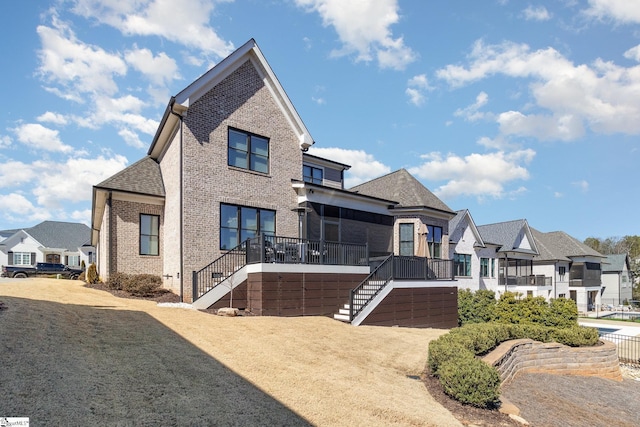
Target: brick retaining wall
<point>526,355</point>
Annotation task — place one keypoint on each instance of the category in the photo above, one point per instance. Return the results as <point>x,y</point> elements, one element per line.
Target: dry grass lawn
<point>77,356</point>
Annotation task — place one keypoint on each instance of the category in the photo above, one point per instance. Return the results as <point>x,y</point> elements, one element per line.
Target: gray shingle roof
<point>142,177</point>
<point>400,186</point>
<point>55,234</point>
<point>505,234</point>
<point>558,245</point>
<point>614,263</point>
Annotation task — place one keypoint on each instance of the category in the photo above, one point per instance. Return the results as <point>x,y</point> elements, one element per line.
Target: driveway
<point>77,356</point>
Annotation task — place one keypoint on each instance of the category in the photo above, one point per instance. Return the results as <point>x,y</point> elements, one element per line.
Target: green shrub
<point>447,347</point>
<point>92,274</point>
<point>563,313</point>
<point>143,285</point>
<point>471,381</point>
<point>576,336</point>
<point>476,307</point>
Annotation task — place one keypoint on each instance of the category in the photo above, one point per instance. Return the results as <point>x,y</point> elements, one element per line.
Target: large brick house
<point>229,198</point>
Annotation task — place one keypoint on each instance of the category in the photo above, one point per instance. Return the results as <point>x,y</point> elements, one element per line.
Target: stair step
<point>345,311</point>
<point>342,317</point>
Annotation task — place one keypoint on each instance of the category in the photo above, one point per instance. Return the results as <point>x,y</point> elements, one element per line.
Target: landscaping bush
<point>476,307</point>
<point>471,381</point>
<point>117,281</point>
<point>143,285</point>
<point>92,274</point>
<point>452,357</point>
<point>447,347</point>
<point>577,336</point>
<point>563,313</point>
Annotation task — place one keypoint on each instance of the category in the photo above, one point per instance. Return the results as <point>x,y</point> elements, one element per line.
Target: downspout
<point>109,259</point>
<point>181,272</point>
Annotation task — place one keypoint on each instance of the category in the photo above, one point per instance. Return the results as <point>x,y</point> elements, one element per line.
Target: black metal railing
<point>370,287</point>
<point>276,249</point>
<point>627,347</point>
<point>532,280</point>
<point>291,250</point>
<point>418,268</point>
<point>396,268</point>
<point>219,270</point>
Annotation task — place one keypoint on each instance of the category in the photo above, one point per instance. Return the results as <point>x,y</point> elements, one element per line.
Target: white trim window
<point>22,258</point>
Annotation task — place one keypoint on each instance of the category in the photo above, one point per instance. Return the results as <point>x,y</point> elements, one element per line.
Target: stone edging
<point>526,355</point>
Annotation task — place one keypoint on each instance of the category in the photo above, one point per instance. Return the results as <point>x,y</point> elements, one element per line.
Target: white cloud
<point>633,53</point>
<point>539,13</point>
<point>16,207</point>
<point>602,95</point>
<point>159,69</point>
<point>364,29</point>
<point>416,88</point>
<point>5,141</point>
<point>479,175</point>
<point>622,11</point>
<point>186,23</point>
<point>72,180</point>
<point>471,113</point>
<point>55,118</point>
<point>37,136</point>
<point>364,166</point>
<point>583,185</point>
<point>131,138</point>
<point>14,173</point>
<point>76,66</point>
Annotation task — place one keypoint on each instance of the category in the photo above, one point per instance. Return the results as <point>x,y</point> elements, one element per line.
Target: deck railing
<point>276,249</point>
<point>627,347</point>
<point>370,287</point>
<point>418,268</point>
<point>532,280</point>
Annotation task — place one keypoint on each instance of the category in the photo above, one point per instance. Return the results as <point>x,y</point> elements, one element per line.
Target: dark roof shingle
<point>142,177</point>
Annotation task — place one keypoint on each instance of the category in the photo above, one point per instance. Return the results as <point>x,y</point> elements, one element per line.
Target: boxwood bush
<point>140,285</point>
<point>452,357</point>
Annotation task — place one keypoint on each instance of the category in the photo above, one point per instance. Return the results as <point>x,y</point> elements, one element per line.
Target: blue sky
<point>507,108</point>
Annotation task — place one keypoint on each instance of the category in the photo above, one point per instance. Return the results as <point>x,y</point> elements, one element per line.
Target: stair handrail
<point>383,273</point>
<point>235,258</point>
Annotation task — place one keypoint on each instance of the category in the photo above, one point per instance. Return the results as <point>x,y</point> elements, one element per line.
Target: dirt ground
<point>75,356</point>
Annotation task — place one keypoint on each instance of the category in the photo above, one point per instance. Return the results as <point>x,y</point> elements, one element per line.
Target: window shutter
<point>66,260</point>
<point>10,258</point>
<point>33,258</point>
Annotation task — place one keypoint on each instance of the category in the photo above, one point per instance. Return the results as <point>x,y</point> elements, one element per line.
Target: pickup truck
<point>40,269</point>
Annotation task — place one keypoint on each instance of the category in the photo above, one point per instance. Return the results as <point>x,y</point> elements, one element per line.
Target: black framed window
<point>406,240</point>
<point>239,223</point>
<point>248,151</point>
<point>434,240</point>
<point>484,267</point>
<point>312,174</point>
<point>462,265</point>
<point>149,234</point>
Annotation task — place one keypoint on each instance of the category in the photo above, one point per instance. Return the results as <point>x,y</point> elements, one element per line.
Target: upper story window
<point>248,151</point>
<point>434,241</point>
<point>312,174</point>
<point>406,240</point>
<point>149,234</point>
<point>239,223</point>
<point>462,265</point>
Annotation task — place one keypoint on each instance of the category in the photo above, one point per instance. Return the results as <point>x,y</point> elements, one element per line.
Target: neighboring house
<point>573,268</point>
<point>515,251</point>
<point>616,280</point>
<point>475,261</point>
<point>50,241</point>
<point>228,198</point>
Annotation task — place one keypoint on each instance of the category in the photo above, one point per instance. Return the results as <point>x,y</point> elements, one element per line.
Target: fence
<point>628,347</point>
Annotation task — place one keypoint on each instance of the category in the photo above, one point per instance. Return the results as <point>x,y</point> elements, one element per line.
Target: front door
<point>53,258</point>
